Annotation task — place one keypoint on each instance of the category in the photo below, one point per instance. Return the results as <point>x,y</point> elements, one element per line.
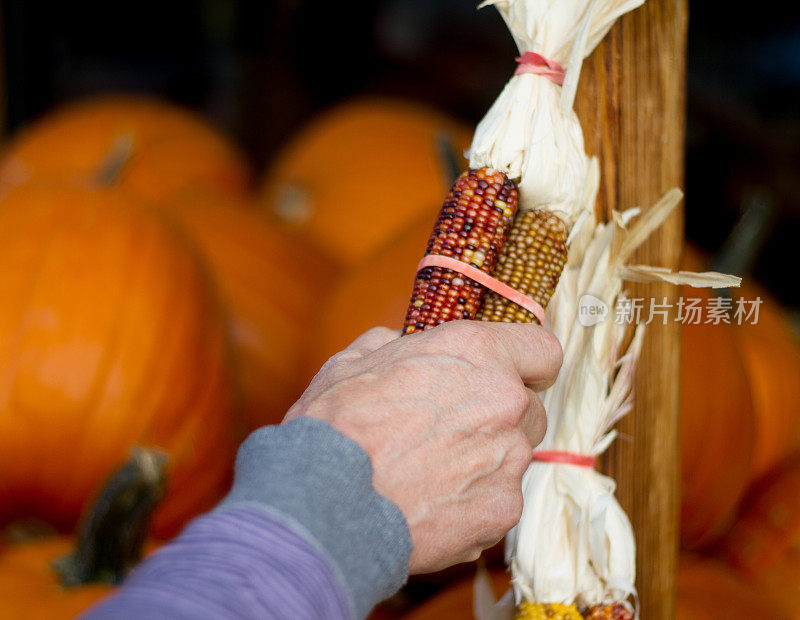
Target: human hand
<point>448,423</point>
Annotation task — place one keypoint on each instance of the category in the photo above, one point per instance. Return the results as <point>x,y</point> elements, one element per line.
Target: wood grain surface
<point>631,104</point>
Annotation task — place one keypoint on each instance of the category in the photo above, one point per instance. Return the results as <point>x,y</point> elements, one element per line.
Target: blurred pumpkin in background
<point>109,336</point>
<point>373,293</point>
<point>740,408</point>
<point>357,176</point>
<point>30,588</point>
<point>717,429</point>
<point>58,577</point>
<point>150,147</point>
<point>708,590</point>
<point>770,351</point>
<point>271,285</point>
<point>764,545</point>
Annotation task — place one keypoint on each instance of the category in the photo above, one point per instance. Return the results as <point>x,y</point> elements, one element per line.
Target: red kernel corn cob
<point>531,262</point>
<point>472,227</point>
<point>547,611</point>
<point>615,611</point>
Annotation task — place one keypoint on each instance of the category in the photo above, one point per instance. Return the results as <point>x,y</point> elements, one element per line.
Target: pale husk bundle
<point>574,544</point>
<point>531,132</point>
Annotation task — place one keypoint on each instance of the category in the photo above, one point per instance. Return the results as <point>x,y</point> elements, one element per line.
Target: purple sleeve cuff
<point>241,563</point>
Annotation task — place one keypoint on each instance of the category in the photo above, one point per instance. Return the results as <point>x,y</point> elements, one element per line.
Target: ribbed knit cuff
<point>322,481</point>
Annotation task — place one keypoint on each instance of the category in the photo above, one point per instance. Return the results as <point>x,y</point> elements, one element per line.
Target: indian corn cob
<point>472,227</point>
<point>545,611</point>
<point>559,611</point>
<point>531,262</point>
<point>615,611</point>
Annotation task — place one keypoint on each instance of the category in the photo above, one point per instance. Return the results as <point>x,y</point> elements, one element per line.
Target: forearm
<point>303,534</point>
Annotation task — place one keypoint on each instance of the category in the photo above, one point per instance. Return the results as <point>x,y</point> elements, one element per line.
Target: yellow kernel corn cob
<point>472,227</point>
<point>531,262</point>
<point>615,611</point>
<point>547,611</point>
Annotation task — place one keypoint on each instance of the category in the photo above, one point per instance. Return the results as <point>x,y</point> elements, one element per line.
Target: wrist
<point>321,480</point>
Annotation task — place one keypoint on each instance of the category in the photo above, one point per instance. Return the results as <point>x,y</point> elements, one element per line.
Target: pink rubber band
<point>501,288</point>
<point>531,62</point>
<point>555,456</point>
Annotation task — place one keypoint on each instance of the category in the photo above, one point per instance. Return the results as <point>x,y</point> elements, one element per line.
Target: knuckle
<point>466,338</point>
<point>519,457</point>
<point>550,349</point>
<point>381,334</point>
<point>413,367</point>
<point>469,553</point>
<point>512,511</point>
<point>329,368</point>
<point>459,331</point>
<point>516,400</point>
<point>541,425</point>
<point>342,357</point>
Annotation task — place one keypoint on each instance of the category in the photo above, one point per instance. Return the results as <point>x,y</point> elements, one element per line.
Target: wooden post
<point>631,105</point>
<point>3,81</point>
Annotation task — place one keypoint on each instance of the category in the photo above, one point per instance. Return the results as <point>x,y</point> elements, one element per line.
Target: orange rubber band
<point>484,279</point>
<point>531,62</point>
<point>569,458</point>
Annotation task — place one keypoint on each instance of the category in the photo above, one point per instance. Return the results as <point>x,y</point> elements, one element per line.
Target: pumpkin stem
<point>117,158</point>
<point>449,157</point>
<point>112,533</point>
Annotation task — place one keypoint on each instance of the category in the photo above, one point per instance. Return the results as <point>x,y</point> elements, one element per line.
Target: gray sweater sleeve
<point>321,482</point>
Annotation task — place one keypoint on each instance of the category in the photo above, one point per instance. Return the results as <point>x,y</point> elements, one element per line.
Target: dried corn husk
<point>574,543</point>
<point>531,132</point>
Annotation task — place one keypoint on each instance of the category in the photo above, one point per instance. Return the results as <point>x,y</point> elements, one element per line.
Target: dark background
<point>260,69</point>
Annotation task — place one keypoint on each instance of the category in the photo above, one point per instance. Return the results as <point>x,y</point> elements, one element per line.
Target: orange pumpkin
<point>58,576</point>
<point>740,400</point>
<point>360,174</point>
<point>770,351</point>
<point>154,148</point>
<point>764,545</point>
<point>109,336</point>
<point>717,429</point>
<point>707,590</point>
<point>30,589</point>
<point>373,293</point>
<point>271,284</point>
